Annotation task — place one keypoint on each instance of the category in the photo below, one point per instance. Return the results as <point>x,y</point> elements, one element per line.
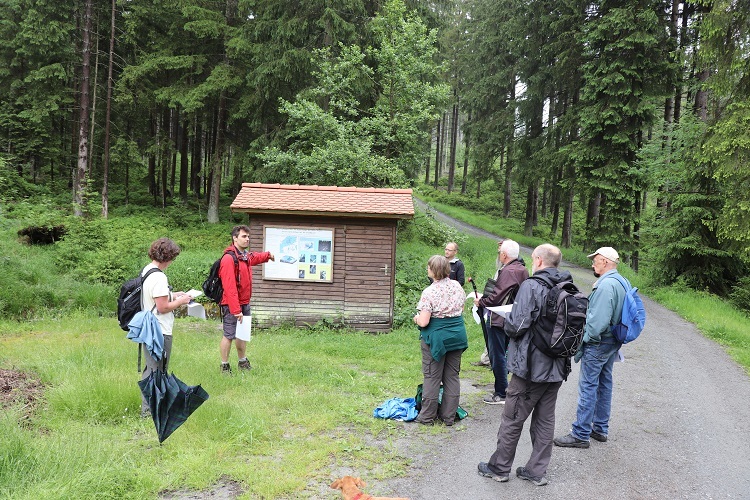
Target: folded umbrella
<point>170,400</point>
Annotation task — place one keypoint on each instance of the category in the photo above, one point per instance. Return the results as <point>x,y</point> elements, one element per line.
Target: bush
<point>424,227</point>
<point>740,295</point>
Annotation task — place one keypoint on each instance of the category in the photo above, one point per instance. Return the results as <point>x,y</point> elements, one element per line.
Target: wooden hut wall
<point>361,294</point>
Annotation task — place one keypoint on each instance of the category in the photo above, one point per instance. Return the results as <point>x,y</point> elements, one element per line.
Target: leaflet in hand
<point>501,310</point>
<point>194,293</point>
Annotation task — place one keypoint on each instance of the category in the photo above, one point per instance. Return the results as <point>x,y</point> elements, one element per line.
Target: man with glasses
<point>597,354</point>
<point>457,267</point>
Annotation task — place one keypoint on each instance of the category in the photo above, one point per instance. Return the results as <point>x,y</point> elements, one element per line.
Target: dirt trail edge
<point>680,428</point>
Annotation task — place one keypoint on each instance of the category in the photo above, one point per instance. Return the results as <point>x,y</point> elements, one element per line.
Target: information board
<point>301,254</point>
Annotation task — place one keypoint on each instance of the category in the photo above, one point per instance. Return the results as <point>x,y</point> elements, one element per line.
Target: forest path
<point>680,427</point>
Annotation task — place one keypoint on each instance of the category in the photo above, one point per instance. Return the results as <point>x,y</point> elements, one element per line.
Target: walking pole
<point>481,315</point>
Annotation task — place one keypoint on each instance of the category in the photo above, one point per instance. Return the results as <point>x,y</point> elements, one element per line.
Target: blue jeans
<point>497,344</point>
<point>595,388</point>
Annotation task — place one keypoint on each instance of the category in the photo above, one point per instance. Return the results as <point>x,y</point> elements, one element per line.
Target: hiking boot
<point>570,441</point>
<point>602,438</point>
<point>524,474</point>
<point>226,369</point>
<point>494,398</point>
<point>479,363</point>
<point>244,365</point>
<point>484,470</point>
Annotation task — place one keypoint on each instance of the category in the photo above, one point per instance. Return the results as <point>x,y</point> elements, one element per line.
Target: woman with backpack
<point>157,297</point>
<point>443,340</point>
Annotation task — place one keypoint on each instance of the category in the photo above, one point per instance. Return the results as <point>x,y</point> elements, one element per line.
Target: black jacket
<point>522,321</point>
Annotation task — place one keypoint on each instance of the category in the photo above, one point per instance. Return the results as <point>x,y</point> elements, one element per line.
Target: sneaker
<point>524,474</point>
<point>602,438</point>
<point>244,365</point>
<point>484,470</point>
<point>479,363</point>
<point>570,441</point>
<point>226,369</point>
<point>494,399</point>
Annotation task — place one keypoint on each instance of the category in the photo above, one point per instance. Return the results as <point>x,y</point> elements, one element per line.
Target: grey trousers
<point>446,371</point>
<point>152,364</point>
<point>524,398</point>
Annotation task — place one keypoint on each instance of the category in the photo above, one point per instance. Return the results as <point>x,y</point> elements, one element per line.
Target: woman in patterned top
<point>444,339</point>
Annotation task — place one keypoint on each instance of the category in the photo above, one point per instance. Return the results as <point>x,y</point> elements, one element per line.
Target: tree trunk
<point>108,114</point>
<point>81,180</point>
<point>197,157</point>
<point>93,107</point>
<point>567,232</point>
<point>427,160</point>
<point>508,186</point>
<point>216,162</point>
<point>438,135</point>
<point>454,138</point>
<point>466,157</point>
<point>184,172</point>
<point>528,229</point>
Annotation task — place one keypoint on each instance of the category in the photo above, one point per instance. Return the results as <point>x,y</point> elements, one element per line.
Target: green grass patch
<point>716,318</point>
<point>278,431</point>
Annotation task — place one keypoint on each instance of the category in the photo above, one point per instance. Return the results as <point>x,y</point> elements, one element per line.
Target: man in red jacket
<point>237,281</point>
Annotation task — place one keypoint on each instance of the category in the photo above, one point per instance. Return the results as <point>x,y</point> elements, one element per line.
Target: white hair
<point>510,248</point>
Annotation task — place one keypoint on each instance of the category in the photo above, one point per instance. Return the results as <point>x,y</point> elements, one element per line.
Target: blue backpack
<point>633,314</point>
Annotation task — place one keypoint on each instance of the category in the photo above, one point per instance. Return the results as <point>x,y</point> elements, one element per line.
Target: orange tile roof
<point>324,200</point>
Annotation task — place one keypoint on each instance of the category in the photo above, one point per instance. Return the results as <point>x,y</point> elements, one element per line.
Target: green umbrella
<point>170,400</point>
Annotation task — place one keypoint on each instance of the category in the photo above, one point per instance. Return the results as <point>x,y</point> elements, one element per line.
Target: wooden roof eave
<point>251,211</point>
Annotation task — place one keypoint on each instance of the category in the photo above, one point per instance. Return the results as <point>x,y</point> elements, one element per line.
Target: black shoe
<point>602,438</point>
<point>226,369</point>
<point>244,365</point>
<point>484,470</point>
<point>570,441</point>
<point>524,474</point>
<point>494,398</point>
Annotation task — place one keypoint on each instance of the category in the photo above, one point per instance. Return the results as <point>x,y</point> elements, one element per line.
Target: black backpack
<point>565,310</point>
<point>212,287</point>
<point>129,302</point>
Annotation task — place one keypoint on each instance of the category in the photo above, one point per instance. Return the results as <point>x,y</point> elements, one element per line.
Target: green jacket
<point>443,335</point>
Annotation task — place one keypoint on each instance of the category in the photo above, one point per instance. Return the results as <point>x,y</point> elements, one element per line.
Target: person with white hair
<point>511,274</point>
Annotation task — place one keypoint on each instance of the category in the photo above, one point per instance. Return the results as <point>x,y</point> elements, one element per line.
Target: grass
<point>279,432</point>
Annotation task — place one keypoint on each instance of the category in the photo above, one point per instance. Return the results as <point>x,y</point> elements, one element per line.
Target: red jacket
<point>238,294</point>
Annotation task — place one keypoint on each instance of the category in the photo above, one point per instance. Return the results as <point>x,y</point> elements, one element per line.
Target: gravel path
<point>680,428</point>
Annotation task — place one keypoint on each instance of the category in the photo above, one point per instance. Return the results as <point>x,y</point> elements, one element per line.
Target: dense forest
<point>618,122</point>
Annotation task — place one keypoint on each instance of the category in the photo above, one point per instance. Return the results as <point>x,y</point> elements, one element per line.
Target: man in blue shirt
<point>597,354</point>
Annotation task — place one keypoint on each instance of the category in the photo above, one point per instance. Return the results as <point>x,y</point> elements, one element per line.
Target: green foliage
<point>334,139</point>
<point>740,295</point>
<point>681,234</point>
<point>727,151</point>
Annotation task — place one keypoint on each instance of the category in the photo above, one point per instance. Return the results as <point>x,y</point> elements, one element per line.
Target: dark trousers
<point>497,345</point>
<point>446,371</point>
<point>526,398</point>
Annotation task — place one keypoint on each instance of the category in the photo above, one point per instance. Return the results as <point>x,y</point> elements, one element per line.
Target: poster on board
<point>301,254</point>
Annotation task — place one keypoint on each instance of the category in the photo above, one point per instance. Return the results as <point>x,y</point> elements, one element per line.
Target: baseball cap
<point>608,253</point>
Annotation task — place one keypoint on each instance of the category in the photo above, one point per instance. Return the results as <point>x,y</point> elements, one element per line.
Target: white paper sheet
<point>244,329</point>
<point>501,310</point>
